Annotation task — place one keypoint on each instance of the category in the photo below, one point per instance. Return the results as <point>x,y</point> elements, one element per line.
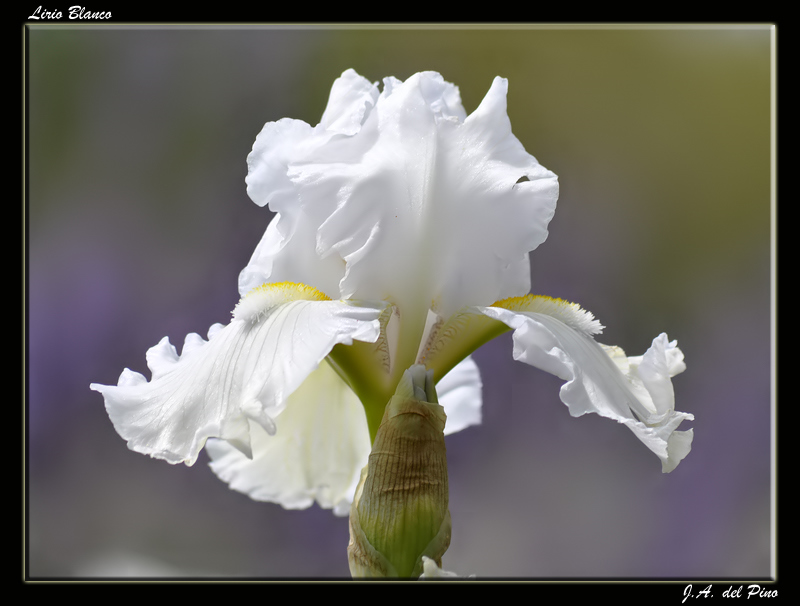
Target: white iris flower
<point>401,236</point>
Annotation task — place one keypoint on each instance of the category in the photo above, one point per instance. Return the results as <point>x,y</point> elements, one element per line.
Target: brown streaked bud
<point>400,511</point>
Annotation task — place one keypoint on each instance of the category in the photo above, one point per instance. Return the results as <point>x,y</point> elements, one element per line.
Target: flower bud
<point>400,511</point>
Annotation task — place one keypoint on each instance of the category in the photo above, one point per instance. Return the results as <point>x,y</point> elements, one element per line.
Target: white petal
<point>408,200</point>
<point>274,148</point>
<point>351,99</point>
<point>634,391</point>
<point>460,394</point>
<point>431,571</point>
<point>319,448</point>
<point>286,252</point>
<point>245,371</point>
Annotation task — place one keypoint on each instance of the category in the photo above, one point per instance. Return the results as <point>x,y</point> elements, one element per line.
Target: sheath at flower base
<point>401,236</point>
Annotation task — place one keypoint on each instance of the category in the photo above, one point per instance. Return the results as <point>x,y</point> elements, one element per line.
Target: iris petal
<point>401,196</point>
<point>635,391</point>
<point>317,453</point>
<point>459,393</point>
<point>245,371</point>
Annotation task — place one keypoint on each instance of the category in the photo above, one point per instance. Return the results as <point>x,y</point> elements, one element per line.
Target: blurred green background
<point>138,224</point>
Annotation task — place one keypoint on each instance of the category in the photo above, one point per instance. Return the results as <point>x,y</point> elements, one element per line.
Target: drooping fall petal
<point>316,454</point>
<point>245,371</point>
<point>558,337</point>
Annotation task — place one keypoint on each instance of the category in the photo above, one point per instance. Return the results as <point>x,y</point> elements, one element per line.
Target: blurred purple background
<point>138,224</point>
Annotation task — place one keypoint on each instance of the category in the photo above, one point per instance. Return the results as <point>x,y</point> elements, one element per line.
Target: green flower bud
<point>400,511</point>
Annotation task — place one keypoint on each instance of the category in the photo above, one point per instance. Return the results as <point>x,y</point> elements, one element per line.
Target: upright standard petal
<point>406,198</point>
<point>245,371</point>
<point>288,250</point>
<point>557,337</point>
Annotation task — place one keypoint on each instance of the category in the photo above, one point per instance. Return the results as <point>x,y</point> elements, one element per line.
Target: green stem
<point>363,371</point>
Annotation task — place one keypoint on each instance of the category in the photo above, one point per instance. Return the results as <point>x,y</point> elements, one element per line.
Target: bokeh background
<point>138,224</point>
